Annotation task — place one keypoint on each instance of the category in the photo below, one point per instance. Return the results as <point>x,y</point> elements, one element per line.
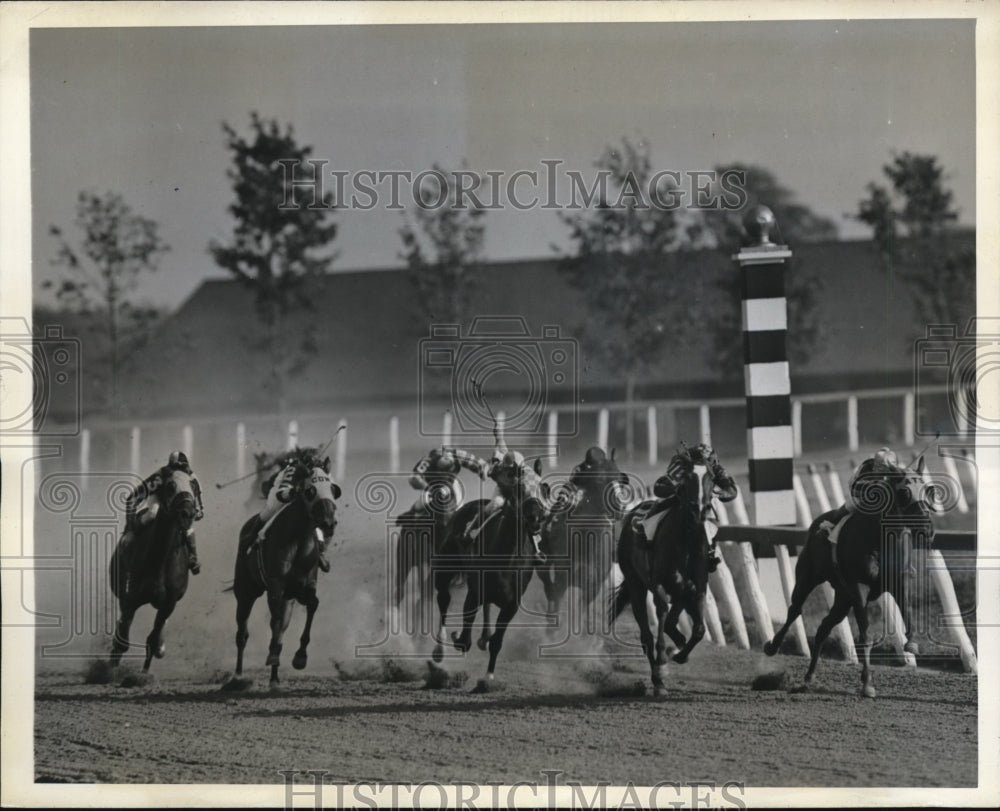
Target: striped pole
<point>553,434</point>
<point>770,445</point>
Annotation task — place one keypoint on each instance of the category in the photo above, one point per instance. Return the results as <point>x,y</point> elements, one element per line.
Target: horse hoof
<point>461,644</point>
<point>680,658</point>
<point>912,647</point>
<point>483,642</point>
<point>274,687</point>
<point>868,691</point>
<point>770,648</point>
<point>158,653</point>
<point>438,653</point>
<point>299,661</point>
<point>237,685</point>
<point>659,691</point>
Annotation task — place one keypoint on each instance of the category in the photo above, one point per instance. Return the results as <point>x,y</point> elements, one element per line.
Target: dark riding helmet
<point>178,461</point>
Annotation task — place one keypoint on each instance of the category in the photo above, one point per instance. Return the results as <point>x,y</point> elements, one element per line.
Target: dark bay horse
<point>674,568</point>
<point>578,540</point>
<point>153,567</point>
<point>873,554</point>
<point>498,565</point>
<point>284,565</point>
<point>421,534</point>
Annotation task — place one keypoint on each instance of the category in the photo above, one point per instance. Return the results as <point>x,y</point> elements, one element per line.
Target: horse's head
<point>178,497</point>
<point>319,493</point>
<point>601,482</point>
<point>533,517</point>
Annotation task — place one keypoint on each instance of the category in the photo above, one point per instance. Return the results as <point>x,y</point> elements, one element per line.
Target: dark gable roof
<point>369,336</point>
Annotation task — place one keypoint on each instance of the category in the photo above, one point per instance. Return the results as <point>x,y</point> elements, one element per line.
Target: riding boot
<point>193,563</point>
<point>713,557</point>
<point>321,543</point>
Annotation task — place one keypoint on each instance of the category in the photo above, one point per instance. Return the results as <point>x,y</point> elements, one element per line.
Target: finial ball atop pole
<point>758,223</point>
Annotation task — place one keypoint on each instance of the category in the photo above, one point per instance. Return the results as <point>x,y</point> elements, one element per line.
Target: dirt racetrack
<point>360,720</point>
<point>920,731</point>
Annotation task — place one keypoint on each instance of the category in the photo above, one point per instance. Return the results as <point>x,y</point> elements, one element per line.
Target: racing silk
<point>435,469</point>
<point>149,489</point>
<point>719,484</point>
<point>510,471</point>
<point>863,475</point>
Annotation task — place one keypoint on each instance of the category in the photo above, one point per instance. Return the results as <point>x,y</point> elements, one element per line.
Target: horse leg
<point>442,584</point>
<point>507,612</point>
<point>841,605</point>
<point>244,606</point>
<point>280,615</point>
<point>484,637</point>
<point>120,642</point>
<point>154,642</point>
<point>696,608</point>
<point>311,603</point>
<point>637,599</point>
<point>473,584</point>
<point>804,584</point>
<point>858,603</point>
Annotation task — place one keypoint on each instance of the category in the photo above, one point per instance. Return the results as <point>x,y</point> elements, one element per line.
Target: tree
<point>620,249</point>
<point>279,247</point>
<point>913,229</point>
<point>797,223</point>
<point>443,247</point>
<point>101,271</point>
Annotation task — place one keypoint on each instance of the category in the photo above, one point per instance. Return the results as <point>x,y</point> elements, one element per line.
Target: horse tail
<point>230,587</point>
<point>617,600</point>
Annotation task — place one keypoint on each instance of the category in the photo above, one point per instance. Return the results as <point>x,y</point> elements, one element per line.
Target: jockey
<point>143,503</point>
<point>282,486</point>
<point>665,488</point>
<point>437,473</point>
<point>883,462</point>
<point>514,478</point>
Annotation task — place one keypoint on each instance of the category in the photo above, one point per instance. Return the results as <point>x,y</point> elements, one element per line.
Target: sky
<point>822,104</point>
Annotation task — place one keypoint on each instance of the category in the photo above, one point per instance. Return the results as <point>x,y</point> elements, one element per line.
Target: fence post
<point>553,434</point>
<point>394,445</point>
<point>241,444</point>
<point>721,580</point>
<point>950,611</point>
<point>705,424</point>
<point>835,488</point>
<point>135,439</point>
<point>787,576</point>
<point>602,429</point>
<point>801,501</point>
<point>819,489</point>
<point>754,594</point>
<point>446,429</point>
<point>909,418</point>
<point>341,450</point>
<point>84,458</point>
<point>651,433</point>
<point>952,470</point>
<point>797,428</point>
<point>293,434</point>
<point>188,441</point>
<point>852,423</point>
<point>713,624</point>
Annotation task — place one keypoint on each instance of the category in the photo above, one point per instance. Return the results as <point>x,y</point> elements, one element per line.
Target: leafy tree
<point>280,244</point>
<point>620,249</point>
<point>102,269</point>
<point>797,224</point>
<point>443,247</point>
<point>913,229</point>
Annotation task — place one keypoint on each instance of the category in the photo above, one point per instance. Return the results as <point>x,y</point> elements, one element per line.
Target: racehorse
<point>421,534</point>
<point>153,567</point>
<point>674,567</point>
<point>498,565</point>
<point>577,540</point>
<point>873,554</point>
<point>284,564</point>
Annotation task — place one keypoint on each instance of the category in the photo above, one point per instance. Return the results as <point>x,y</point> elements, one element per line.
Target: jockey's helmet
<point>702,452</point>
<point>443,458</point>
<point>178,461</point>
<point>885,459</point>
<point>512,459</point>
